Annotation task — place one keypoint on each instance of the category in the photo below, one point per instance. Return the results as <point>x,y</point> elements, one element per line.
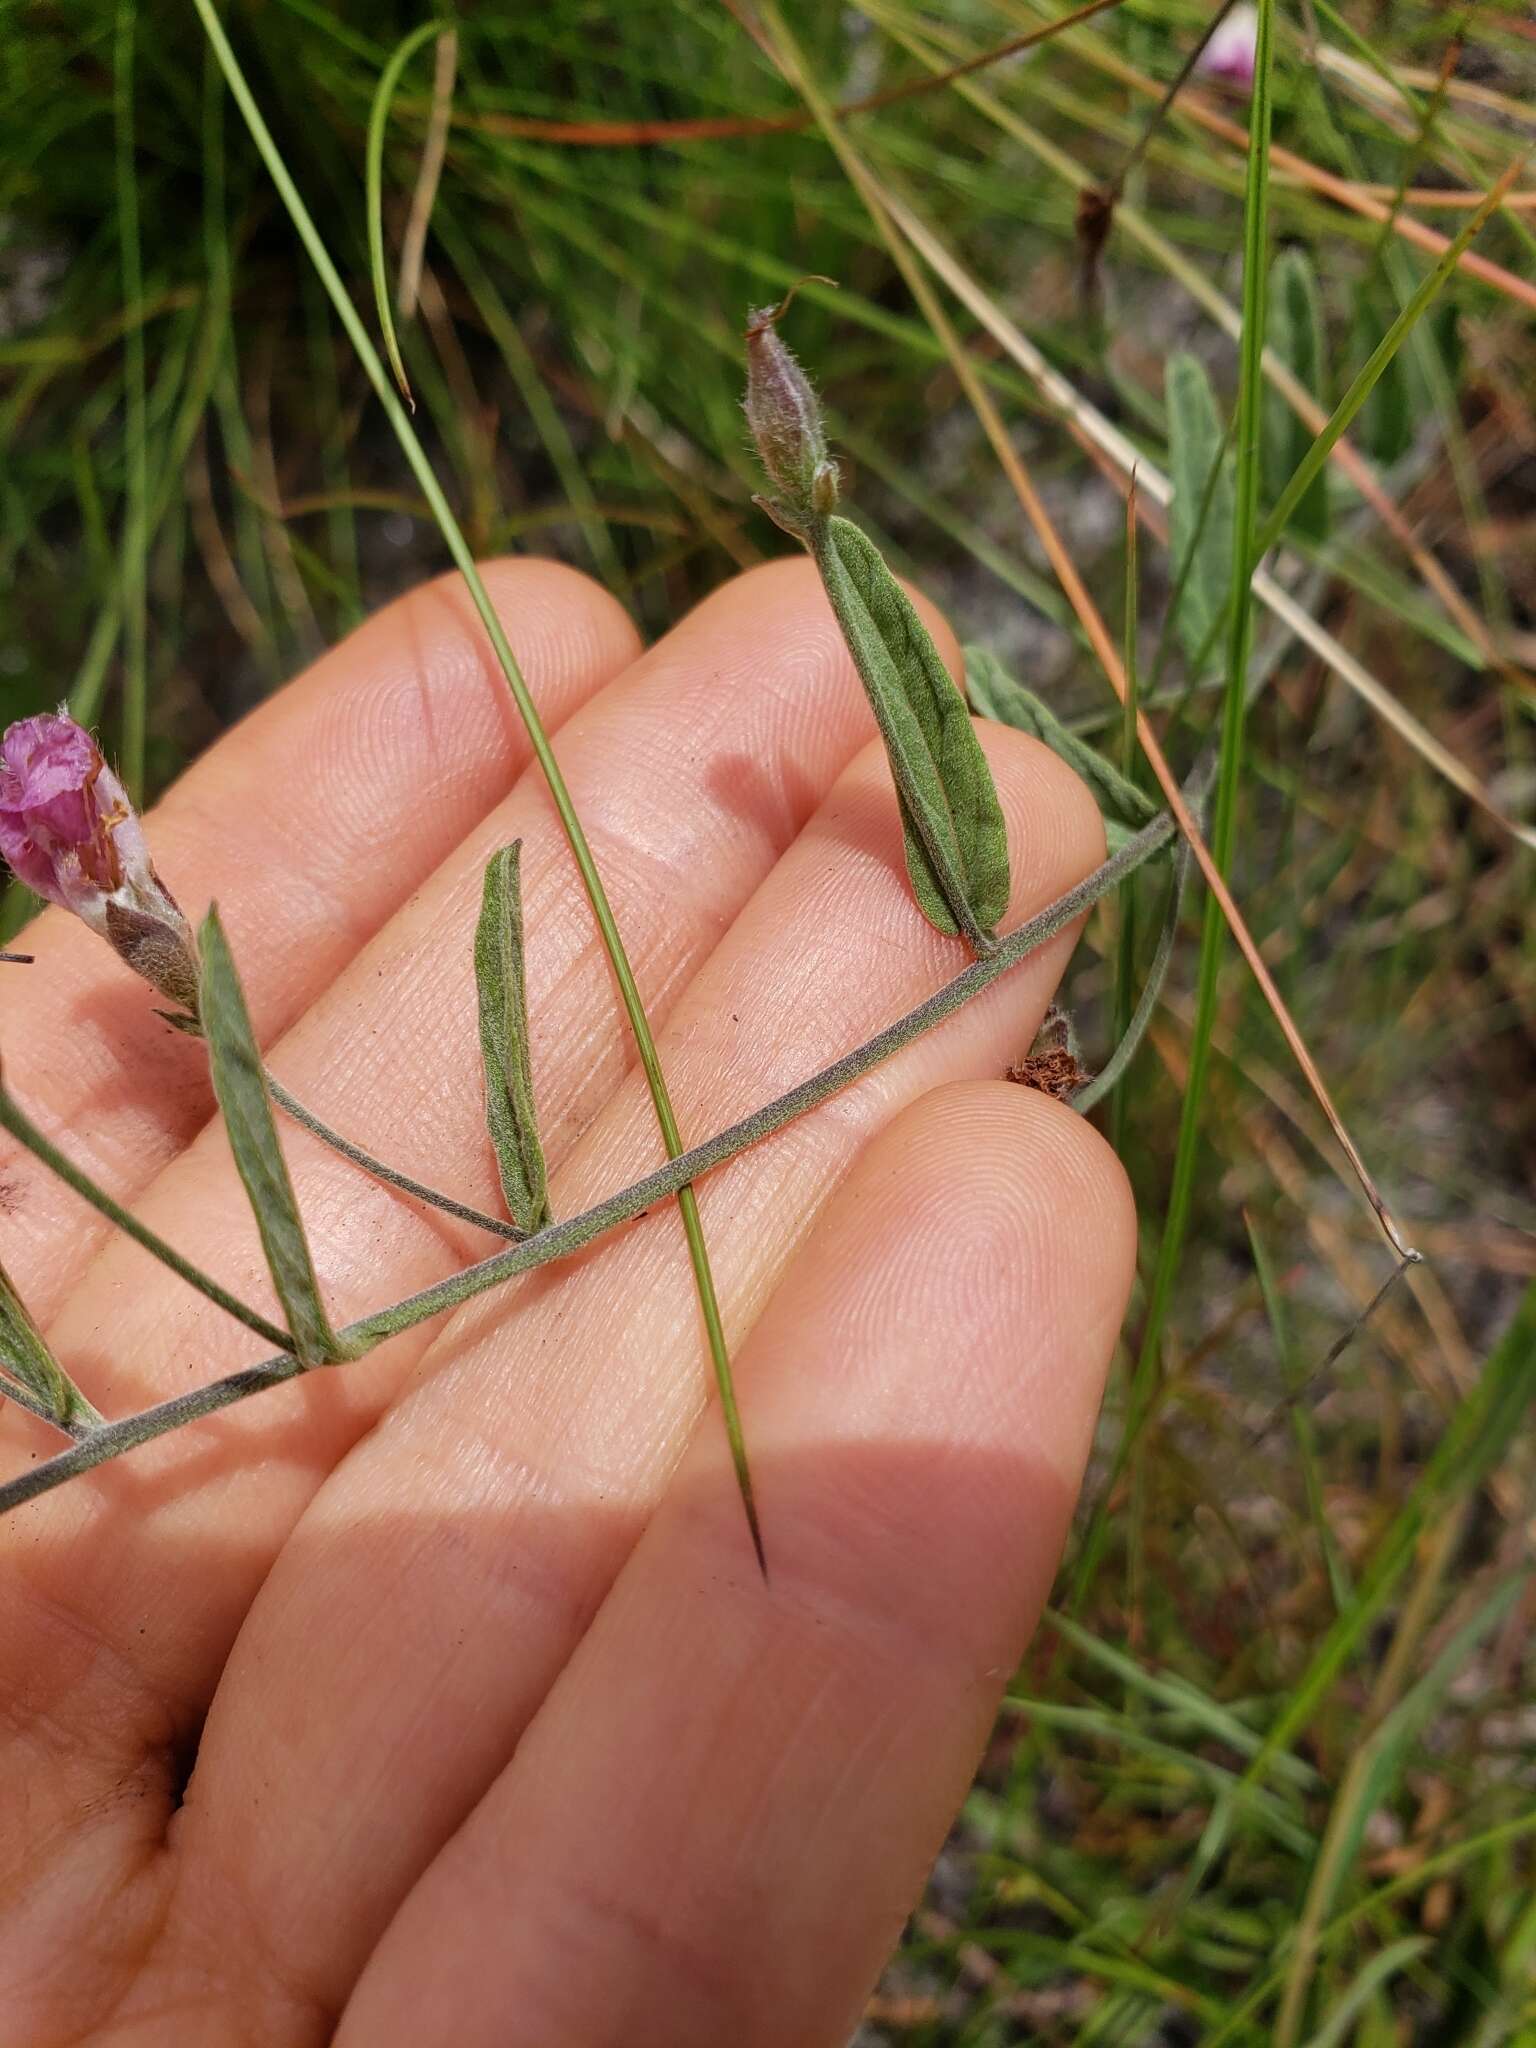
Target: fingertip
<point>1011,1211</point>
<point>1042,1195</point>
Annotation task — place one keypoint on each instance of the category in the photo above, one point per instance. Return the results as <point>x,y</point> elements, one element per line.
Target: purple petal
<point>48,779</point>
<point>26,858</point>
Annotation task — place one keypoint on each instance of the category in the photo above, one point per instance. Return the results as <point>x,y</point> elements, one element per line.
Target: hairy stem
<point>21,1127</point>
<point>376,1167</point>
<point>559,1240</point>
<point>13,1390</point>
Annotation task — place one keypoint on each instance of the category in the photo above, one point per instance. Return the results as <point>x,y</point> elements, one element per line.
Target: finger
<point>310,823</point>
<point>728,1774</point>
<point>493,1506</point>
<point>758,682</point>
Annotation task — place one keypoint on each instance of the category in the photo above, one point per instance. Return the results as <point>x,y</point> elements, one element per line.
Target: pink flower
<point>1228,56</point>
<point>70,833</point>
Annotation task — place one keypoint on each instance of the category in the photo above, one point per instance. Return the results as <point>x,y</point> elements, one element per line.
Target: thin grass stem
<point>464,560</point>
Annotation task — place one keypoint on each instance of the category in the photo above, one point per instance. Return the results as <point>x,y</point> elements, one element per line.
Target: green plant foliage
<point>503,1007</point>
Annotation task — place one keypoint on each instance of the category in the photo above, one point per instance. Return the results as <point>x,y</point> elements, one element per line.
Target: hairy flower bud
<point>785,419</point>
<point>69,832</point>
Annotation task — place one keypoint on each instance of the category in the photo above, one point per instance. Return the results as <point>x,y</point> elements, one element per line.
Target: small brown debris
<point>1054,1070</point>
<point>1095,217</point>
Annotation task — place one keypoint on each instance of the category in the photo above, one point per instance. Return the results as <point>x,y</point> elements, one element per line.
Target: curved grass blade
<point>26,1358</point>
<point>957,845</point>
<point>241,1088</point>
<point>378,120</point>
<point>464,561</point>
<point>510,1114</point>
<point>1203,552</point>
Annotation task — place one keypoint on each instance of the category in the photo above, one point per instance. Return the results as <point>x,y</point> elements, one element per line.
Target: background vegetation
<point>1269,1774</point>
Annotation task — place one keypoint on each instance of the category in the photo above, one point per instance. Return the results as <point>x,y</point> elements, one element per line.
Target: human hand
<point>499,1737</point>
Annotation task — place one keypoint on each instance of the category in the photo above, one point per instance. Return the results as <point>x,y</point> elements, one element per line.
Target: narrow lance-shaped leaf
<point>25,1356</point>
<point>509,1105</point>
<point>1194,449</point>
<point>996,694</point>
<point>957,844</point>
<point>241,1088</point>
<point>1296,336</point>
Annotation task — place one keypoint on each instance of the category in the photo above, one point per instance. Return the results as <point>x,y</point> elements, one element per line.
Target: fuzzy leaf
<point>1296,336</point>
<point>241,1088</point>
<point>996,694</point>
<point>1194,448</point>
<point>509,1106</point>
<point>25,1357</point>
<point>957,845</point>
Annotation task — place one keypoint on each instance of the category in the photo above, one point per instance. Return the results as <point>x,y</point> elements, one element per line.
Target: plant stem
<point>376,1167</point>
<point>13,1390</point>
<point>559,1240</point>
<point>458,547</point>
<point>13,1118</point>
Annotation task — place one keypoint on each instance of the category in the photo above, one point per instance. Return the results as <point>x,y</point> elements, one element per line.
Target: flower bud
<point>1229,55</point>
<point>785,419</point>
<point>69,832</point>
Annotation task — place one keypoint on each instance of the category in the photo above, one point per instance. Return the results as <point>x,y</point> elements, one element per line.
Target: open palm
<point>437,1698</point>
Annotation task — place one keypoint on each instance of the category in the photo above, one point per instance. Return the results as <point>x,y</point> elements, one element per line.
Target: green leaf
<point>957,846</point>
<point>241,1088</point>
<point>996,694</point>
<point>509,1107</point>
<point>25,1357</point>
<point>1296,336</point>
<point>1386,418</point>
<point>1194,453</point>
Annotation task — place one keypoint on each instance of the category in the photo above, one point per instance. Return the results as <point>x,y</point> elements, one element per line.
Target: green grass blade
<point>1229,766</point>
<point>1346,2009</point>
<point>1366,377</point>
<point>378,121</point>
<point>464,561</point>
<point>136,494</point>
